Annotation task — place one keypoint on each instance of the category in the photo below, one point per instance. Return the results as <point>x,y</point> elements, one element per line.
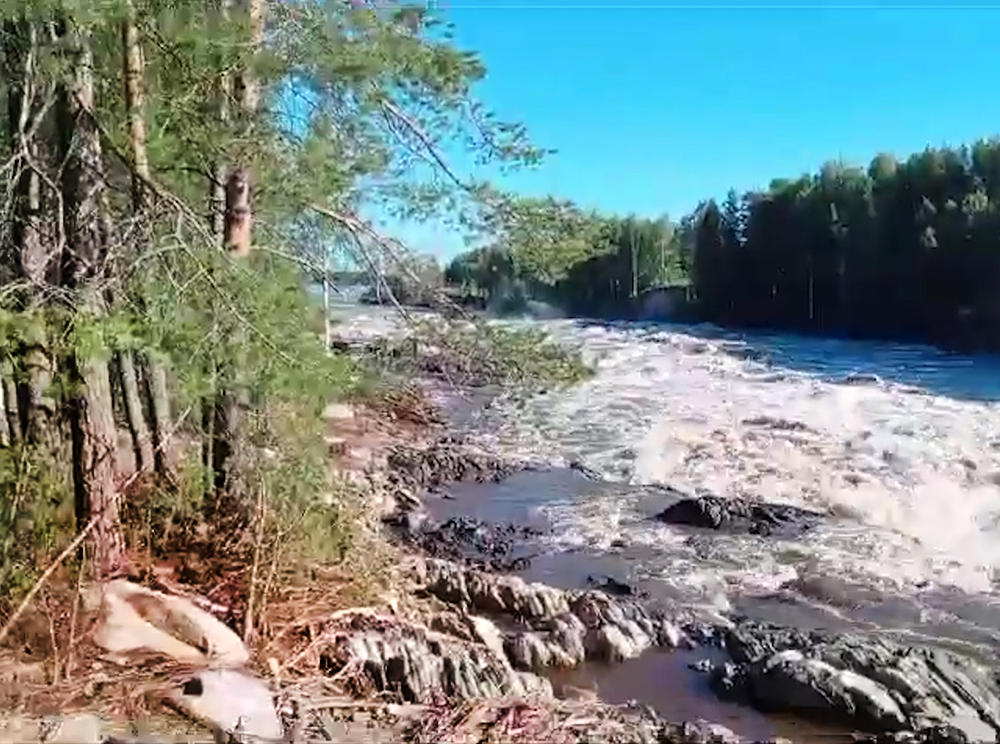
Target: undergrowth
<point>522,361</point>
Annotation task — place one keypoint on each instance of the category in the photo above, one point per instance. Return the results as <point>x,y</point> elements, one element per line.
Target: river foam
<point>908,474</point>
<point>898,443</point>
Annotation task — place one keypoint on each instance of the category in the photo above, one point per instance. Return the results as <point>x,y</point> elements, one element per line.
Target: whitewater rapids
<point>899,444</point>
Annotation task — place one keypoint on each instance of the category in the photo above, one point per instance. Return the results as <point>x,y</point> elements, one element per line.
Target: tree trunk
<point>239,183</point>
<point>5,436</point>
<point>155,379</point>
<point>217,220</point>
<point>217,184</point>
<point>233,402</point>
<point>36,405</point>
<point>327,322</point>
<point>92,415</point>
<point>9,411</point>
<point>31,259</point>
<point>142,443</point>
<point>239,213</point>
<point>155,383</point>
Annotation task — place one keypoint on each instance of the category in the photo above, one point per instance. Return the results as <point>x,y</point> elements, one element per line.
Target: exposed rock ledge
<point>402,473</point>
<point>491,661</point>
<point>872,683</point>
<point>739,515</point>
<point>447,460</point>
<point>544,627</point>
<point>468,674</point>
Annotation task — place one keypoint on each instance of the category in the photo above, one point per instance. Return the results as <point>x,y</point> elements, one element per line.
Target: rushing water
<point>900,444</point>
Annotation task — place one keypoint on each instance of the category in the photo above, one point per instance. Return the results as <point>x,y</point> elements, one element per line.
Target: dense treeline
<point>900,250</point>
<point>588,265</point>
<point>907,250</point>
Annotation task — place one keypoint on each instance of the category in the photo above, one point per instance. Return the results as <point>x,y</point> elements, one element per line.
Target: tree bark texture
<point>239,183</point>
<point>92,415</point>
<point>154,387</point>
<point>232,404</point>
<point>142,443</point>
<point>31,257</point>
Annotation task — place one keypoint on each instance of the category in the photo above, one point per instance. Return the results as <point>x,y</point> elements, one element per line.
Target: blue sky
<point>655,106</point>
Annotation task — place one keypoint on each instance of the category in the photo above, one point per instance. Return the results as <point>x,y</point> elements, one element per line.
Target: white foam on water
<point>906,472</point>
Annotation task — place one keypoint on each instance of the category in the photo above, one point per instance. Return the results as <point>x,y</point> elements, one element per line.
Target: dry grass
<point>499,721</point>
<point>49,663</point>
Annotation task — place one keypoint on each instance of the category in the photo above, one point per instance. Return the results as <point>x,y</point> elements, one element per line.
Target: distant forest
<point>900,250</point>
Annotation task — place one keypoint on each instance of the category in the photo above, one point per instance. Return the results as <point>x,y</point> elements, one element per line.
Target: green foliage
<point>898,250</point>
<point>584,263</point>
<point>527,359</point>
<point>902,250</point>
<point>36,518</point>
<point>358,103</point>
<point>521,361</point>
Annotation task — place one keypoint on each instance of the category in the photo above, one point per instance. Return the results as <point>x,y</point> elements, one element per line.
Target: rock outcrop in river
<point>739,515</point>
<point>544,627</point>
<point>447,460</point>
<point>868,682</point>
<point>466,540</point>
<point>419,663</point>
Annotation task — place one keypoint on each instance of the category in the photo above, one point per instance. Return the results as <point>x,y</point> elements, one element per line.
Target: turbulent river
<point>900,444</point>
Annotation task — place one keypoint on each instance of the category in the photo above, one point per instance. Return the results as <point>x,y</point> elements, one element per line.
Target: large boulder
<point>739,515</point>
<point>869,682</point>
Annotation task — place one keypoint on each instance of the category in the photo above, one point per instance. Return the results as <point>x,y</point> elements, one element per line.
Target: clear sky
<point>654,106</point>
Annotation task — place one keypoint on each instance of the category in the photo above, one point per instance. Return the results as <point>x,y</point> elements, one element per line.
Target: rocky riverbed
<point>465,649</point>
<point>868,683</point>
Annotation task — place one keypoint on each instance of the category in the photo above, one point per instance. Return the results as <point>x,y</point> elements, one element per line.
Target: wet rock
<point>463,539</point>
<point>790,680</point>
<point>585,470</point>
<point>417,664</point>
<point>547,627</point>
<point>868,682</point>
<point>614,587</point>
<point>447,461</point>
<point>739,515</point>
<point>777,424</point>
